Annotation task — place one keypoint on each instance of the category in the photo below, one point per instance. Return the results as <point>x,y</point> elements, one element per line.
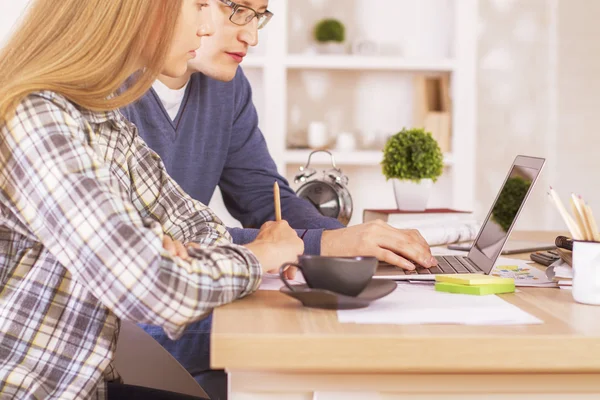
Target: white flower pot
<point>412,196</point>
<point>330,48</point>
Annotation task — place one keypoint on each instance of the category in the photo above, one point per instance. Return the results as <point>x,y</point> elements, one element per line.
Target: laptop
<point>493,234</point>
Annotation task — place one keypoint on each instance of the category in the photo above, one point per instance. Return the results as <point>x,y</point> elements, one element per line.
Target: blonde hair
<point>85,50</point>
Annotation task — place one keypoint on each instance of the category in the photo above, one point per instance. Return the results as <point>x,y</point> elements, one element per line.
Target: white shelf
<point>356,62</point>
<point>360,157</point>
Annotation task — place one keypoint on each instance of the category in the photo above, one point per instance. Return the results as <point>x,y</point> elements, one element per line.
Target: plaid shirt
<point>82,203</point>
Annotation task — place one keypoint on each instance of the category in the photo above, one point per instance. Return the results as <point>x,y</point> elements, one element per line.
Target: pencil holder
<point>586,272</point>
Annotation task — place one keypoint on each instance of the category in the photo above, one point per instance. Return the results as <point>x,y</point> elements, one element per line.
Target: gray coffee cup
<point>343,275</point>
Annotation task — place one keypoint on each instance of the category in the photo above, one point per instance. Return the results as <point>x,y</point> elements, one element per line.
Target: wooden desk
<point>273,348</point>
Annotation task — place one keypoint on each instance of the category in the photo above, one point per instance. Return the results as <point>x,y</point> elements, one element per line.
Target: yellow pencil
<point>580,218</point>
<point>277,201</point>
<point>593,224</point>
<point>571,225</point>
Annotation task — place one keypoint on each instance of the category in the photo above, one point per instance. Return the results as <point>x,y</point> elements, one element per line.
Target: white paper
<point>443,251</point>
<point>421,304</point>
<point>522,271</point>
<point>273,282</point>
<point>563,270</point>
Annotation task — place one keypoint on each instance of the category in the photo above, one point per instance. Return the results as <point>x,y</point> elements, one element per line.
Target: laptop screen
<point>505,210</point>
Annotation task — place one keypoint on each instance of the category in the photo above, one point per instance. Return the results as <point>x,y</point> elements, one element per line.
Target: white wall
<point>578,101</point>
<point>10,11</point>
<point>515,82</point>
<point>539,94</point>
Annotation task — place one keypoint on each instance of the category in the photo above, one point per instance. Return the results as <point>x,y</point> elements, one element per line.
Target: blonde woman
<point>85,206</point>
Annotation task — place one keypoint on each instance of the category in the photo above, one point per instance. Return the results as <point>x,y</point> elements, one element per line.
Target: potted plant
<point>413,160</point>
<point>330,35</point>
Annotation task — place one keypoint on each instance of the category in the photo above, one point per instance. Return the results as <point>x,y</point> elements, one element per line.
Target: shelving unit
<point>352,158</point>
<point>370,157</point>
<point>367,93</point>
<point>366,63</point>
<point>354,62</point>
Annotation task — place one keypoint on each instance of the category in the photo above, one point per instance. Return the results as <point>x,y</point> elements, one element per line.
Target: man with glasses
<point>205,128</point>
<point>243,15</point>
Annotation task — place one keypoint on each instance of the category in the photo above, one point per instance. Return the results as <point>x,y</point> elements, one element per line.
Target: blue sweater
<point>215,140</point>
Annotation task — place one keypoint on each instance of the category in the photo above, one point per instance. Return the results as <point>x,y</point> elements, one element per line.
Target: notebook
<point>494,232</point>
<point>511,247</point>
<point>437,225</point>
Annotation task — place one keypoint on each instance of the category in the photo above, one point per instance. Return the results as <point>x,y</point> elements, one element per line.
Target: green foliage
<point>330,30</point>
<point>413,155</point>
<point>509,200</point>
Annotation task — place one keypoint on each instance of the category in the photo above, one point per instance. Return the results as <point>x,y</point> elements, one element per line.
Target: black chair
<point>142,361</point>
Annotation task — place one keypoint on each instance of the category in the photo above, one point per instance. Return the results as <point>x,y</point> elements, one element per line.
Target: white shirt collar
<point>170,98</point>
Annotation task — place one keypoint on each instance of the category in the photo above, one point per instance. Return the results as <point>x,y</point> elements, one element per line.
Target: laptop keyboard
<point>447,265</point>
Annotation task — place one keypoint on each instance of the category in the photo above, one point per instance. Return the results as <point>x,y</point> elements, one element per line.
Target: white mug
<point>345,142</point>
<point>317,135</point>
<point>586,272</point>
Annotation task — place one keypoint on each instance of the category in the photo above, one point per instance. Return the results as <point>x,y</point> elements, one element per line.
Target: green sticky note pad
<point>476,290</point>
<point>473,279</point>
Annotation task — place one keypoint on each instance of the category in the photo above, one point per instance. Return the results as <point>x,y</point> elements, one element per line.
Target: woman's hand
<point>175,247</point>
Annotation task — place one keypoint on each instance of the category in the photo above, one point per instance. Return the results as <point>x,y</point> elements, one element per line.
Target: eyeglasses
<point>243,15</point>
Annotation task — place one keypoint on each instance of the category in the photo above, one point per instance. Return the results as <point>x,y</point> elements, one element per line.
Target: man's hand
<point>276,244</point>
<point>378,239</point>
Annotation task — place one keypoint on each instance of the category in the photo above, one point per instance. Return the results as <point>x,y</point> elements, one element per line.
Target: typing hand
<point>378,239</point>
<point>275,245</point>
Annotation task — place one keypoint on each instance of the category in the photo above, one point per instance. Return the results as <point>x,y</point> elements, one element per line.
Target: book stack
<point>433,108</point>
<point>437,225</point>
<point>474,284</point>
<point>561,273</point>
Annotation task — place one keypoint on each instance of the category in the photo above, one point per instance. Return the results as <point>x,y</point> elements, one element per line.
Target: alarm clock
<point>328,193</point>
